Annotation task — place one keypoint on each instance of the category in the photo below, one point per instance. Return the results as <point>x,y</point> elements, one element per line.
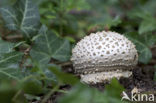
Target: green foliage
<point>9,66</point>
<point>33,68</point>
<point>57,13</point>
<point>84,94</point>
<point>79,5</point>
<point>6,47</point>
<point>6,2</point>
<point>22,16</point>
<point>6,92</point>
<point>48,46</point>
<point>32,86</point>
<point>9,60</point>
<point>142,45</point>
<point>105,22</point>
<point>10,92</point>
<point>148,24</point>
<point>64,77</point>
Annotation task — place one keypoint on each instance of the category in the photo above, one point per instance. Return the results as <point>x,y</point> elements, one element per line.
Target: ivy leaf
<point>23,16</point>
<point>79,94</point>
<point>113,86</point>
<point>9,65</point>
<point>5,47</point>
<point>80,5</point>
<point>105,21</point>
<point>6,2</point>
<point>41,69</point>
<point>145,53</point>
<point>150,39</point>
<point>148,24</point>
<point>84,94</point>
<point>32,86</point>
<point>48,46</point>
<point>64,77</point>
<point>9,61</point>
<point>8,90</point>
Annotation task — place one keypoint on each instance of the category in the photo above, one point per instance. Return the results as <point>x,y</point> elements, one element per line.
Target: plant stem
<point>62,91</point>
<point>61,17</point>
<point>16,95</point>
<point>50,93</point>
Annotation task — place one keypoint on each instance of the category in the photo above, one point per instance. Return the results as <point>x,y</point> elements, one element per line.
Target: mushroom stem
<point>106,76</point>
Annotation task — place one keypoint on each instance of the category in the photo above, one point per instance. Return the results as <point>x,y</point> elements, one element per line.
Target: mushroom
<point>101,56</point>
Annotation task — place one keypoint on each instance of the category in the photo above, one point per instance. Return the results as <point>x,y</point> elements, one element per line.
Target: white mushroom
<point>103,55</point>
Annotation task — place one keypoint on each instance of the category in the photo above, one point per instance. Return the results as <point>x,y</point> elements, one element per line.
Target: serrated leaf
<point>48,46</point>
<point>23,16</point>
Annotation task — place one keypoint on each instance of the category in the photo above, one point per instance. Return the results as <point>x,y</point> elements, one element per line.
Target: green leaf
<point>5,47</point>
<point>150,39</point>
<point>145,18</point>
<point>10,61</point>
<point>114,85</point>
<point>79,5</point>
<point>32,97</point>
<point>148,24</point>
<point>9,65</point>
<point>22,16</point>
<point>7,91</point>
<point>105,21</point>
<point>41,69</point>
<point>84,94</point>
<point>145,53</point>
<point>79,94</point>
<point>48,46</point>
<point>6,2</point>
<point>10,92</point>
<point>32,86</point>
<point>64,77</point>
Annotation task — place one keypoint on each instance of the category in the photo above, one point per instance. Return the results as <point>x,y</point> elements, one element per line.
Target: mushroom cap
<point>104,52</point>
